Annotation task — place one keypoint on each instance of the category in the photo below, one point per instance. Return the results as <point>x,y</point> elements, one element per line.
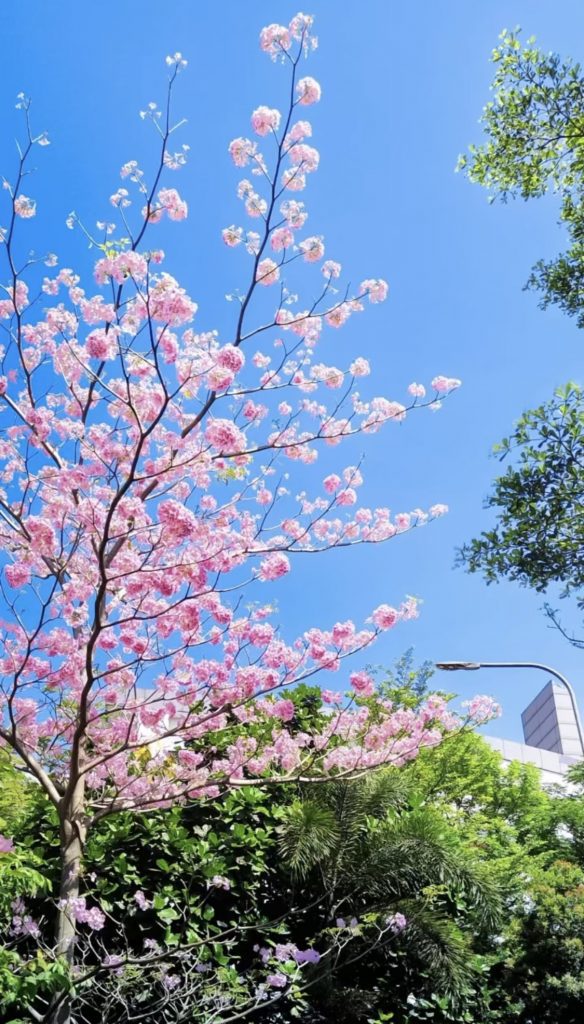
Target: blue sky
<point>403,87</point>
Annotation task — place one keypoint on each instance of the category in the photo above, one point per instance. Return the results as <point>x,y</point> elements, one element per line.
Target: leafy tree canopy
<point>534,129</point>
<point>538,537</point>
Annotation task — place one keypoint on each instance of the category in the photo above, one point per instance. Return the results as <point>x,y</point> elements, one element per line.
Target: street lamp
<point>472,666</point>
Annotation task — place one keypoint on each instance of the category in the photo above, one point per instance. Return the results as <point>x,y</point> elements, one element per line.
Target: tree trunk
<point>73,833</point>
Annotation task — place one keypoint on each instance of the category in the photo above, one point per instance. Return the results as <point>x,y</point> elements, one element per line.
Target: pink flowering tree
<point>146,513</point>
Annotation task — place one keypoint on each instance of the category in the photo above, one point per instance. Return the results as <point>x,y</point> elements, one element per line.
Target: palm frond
<point>309,835</point>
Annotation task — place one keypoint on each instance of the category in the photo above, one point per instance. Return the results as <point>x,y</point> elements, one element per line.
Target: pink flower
<point>268,272</point>
<point>24,207</point>
<point>232,236</point>
<point>274,566</point>
<point>347,497</point>
<point>260,634</point>
<point>331,269</point>
<point>101,344</point>
<point>343,632</point>
<point>353,476</point>
<point>282,238</point>
<point>284,709</point>
<point>331,376</point>
<point>274,39</point>
<point>308,90</point>
<point>360,367</point>
<point>241,150</point>
<point>170,201</point>
<point>294,213</point>
<point>403,520</point>
<point>124,265</point>
<point>339,315</point>
<point>300,130</point>
<point>443,384</point>
<point>306,158</point>
<point>300,25</point>
<point>376,288</point>
<point>264,496</point>
<point>482,708</point>
<point>330,697</point>
<point>225,436</point>
<point>17,574</point>
<point>385,616</point>
<point>253,411</point>
<point>255,206</point>
<point>332,483</point>
<point>362,683</point>
<point>438,510</point>
<point>293,180</point>
<point>417,390</point>
<point>230,358</point>
<point>264,120</point>
<point>313,249</point>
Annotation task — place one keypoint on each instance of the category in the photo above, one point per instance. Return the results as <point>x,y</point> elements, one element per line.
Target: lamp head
<point>458,666</point>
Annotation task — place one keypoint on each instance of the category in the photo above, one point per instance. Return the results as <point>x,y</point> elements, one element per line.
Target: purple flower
<point>277,980</point>
<point>111,960</point>
<point>6,844</point>
<point>219,882</point>
<point>95,918</point>
<point>397,923</point>
<point>30,927</point>
<point>307,956</point>
<point>285,951</point>
<point>141,900</point>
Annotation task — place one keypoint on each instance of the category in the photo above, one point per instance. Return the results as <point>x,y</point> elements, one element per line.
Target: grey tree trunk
<point>73,833</point>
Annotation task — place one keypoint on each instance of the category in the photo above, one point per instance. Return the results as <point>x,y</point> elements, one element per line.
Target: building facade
<point>550,733</point>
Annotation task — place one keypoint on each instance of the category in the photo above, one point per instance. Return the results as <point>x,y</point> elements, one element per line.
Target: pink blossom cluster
<point>127,264</point>
<point>265,120</point>
<point>308,91</point>
<point>277,40</point>
<point>376,289</point>
<point>445,384</point>
<point>16,302</point>
<point>24,207</point>
<point>169,200</point>
<point>152,503</point>
<point>482,709</point>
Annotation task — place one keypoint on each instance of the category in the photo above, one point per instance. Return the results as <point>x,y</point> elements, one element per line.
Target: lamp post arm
<point>551,672</point>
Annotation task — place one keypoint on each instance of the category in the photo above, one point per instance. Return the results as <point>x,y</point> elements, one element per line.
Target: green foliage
<point>538,539</point>
<point>486,867</point>
<point>22,876</point>
<point>546,945</point>
<point>16,796</point>
<point>370,849</point>
<point>535,143</point>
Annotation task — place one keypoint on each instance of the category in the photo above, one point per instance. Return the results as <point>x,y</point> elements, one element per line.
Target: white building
<point>551,735</point>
